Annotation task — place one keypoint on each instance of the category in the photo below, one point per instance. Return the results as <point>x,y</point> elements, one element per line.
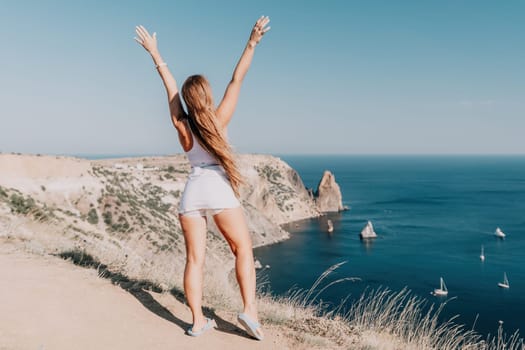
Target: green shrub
<point>121,226</point>
<point>107,217</point>
<point>92,217</point>
<point>21,205</point>
<point>157,205</point>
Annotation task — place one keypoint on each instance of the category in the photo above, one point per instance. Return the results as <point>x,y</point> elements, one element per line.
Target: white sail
<point>443,285</point>
<point>368,231</point>
<point>505,283</point>
<point>482,255</point>
<point>330,226</point>
<point>499,233</point>
<point>442,290</point>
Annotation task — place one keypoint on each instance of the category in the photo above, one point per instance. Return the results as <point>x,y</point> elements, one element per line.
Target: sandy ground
<point>49,303</point>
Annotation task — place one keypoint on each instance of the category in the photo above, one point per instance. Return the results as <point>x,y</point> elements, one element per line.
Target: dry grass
<point>502,341</point>
<point>379,319</point>
<point>402,316</point>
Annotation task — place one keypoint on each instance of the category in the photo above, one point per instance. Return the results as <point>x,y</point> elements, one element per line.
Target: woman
<point>213,184</point>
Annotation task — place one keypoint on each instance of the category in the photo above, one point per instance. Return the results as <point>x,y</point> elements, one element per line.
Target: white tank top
<point>198,156</point>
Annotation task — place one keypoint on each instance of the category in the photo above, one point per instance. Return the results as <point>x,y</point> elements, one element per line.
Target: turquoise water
<point>432,215</point>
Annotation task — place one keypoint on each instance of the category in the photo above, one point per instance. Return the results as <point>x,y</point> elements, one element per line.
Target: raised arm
<point>231,95</point>
<point>149,42</point>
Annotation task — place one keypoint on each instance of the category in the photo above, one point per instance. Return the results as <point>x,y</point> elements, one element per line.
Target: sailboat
<point>442,290</point>
<point>330,225</point>
<point>482,255</point>
<point>505,283</point>
<point>368,231</point>
<point>498,233</point>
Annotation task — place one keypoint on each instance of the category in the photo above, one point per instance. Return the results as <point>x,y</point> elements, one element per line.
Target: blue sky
<point>332,77</point>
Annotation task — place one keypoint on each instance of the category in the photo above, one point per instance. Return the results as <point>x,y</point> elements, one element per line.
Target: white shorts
<point>202,212</point>
<point>207,188</point>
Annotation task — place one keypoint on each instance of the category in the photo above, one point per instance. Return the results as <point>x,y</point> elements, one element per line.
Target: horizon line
<point>132,155</point>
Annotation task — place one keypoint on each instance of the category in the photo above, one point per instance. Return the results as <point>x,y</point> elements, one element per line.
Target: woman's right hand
<point>259,29</point>
<point>148,42</point>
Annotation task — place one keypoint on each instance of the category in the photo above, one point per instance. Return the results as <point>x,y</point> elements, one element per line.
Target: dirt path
<point>49,303</point>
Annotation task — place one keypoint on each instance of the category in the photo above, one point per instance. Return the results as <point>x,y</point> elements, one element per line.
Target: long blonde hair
<point>202,120</point>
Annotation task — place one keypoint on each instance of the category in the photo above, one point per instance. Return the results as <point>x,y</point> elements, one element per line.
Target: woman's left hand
<point>259,29</point>
<point>148,42</point>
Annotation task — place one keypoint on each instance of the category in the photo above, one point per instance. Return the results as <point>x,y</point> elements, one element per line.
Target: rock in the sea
<point>258,264</point>
<point>368,231</point>
<point>328,195</point>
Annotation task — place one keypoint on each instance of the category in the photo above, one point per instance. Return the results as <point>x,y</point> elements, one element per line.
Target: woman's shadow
<point>140,290</point>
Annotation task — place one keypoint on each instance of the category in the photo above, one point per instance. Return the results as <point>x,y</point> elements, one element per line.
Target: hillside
<point>123,212</point>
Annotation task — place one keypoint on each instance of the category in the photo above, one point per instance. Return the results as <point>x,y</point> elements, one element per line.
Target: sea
<point>432,215</point>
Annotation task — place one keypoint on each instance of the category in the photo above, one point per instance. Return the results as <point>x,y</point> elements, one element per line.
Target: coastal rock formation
<point>328,194</point>
<point>275,189</point>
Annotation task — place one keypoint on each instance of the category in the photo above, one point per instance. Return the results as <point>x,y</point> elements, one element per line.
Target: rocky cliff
<point>124,211</point>
<point>328,194</point>
<point>275,189</point>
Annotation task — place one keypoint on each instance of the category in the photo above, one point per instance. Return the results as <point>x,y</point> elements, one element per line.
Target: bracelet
<point>251,44</point>
<point>161,65</point>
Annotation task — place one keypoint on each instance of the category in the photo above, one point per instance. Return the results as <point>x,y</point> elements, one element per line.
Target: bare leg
<point>233,226</point>
<point>194,229</point>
